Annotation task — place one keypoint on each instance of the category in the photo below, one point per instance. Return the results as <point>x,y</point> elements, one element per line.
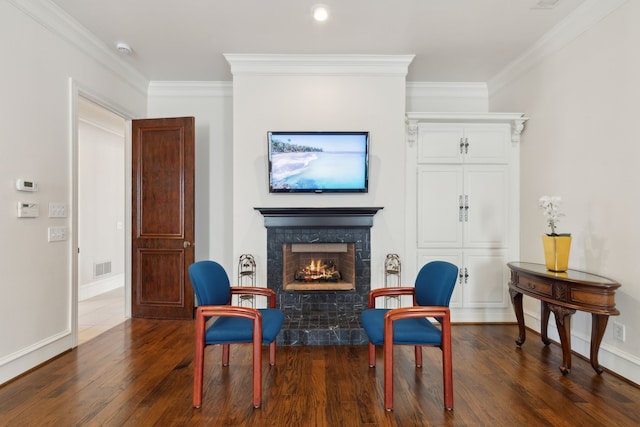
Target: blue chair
<point>234,324</point>
<point>410,326</point>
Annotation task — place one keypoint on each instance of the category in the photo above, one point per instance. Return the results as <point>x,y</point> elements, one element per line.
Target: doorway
<point>101,160</point>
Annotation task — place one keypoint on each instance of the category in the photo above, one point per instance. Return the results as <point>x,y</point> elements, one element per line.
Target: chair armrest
<point>252,290</point>
<point>388,292</point>
<point>417,311</point>
<point>205,311</point>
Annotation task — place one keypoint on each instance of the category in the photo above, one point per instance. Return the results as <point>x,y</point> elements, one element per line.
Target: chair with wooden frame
<point>234,324</point>
<point>412,325</point>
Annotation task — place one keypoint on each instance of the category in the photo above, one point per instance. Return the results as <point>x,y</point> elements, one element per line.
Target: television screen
<point>318,162</point>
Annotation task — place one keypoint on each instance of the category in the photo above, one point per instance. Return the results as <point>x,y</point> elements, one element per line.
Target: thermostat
<point>27,210</point>
<point>24,185</point>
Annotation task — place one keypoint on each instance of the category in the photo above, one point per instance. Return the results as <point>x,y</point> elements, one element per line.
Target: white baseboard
<point>90,290</point>
<point>27,358</point>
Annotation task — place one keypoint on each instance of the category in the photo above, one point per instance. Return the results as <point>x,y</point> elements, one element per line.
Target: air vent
<point>100,269</point>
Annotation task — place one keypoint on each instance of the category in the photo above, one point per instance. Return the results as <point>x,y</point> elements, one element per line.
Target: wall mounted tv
<point>318,162</point>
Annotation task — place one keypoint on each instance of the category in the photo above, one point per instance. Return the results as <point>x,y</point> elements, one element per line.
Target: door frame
<point>77,90</point>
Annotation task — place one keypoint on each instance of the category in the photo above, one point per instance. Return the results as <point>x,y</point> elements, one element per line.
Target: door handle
<point>186,244</point>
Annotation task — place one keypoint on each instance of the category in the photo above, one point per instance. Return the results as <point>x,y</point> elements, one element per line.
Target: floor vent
<point>100,269</point>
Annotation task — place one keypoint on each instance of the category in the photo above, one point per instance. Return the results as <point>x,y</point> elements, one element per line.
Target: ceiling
<point>453,40</point>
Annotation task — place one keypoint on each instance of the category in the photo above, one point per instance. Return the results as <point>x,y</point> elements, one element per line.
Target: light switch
<point>57,210</point>
<point>57,234</point>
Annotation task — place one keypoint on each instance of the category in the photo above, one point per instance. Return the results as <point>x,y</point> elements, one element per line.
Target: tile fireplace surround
<point>319,317</point>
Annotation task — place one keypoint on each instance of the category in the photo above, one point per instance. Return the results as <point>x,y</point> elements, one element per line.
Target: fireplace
<point>320,312</point>
<point>318,266</point>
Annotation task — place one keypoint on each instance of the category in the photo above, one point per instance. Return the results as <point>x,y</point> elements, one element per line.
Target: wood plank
<point>141,373</point>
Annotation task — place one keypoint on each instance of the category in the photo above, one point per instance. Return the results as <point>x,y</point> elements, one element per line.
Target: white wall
<point>36,286</point>
<point>211,105</point>
<point>315,100</point>
<point>101,198</point>
<point>581,143</point>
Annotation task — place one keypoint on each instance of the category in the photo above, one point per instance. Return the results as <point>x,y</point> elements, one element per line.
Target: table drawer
<point>534,286</point>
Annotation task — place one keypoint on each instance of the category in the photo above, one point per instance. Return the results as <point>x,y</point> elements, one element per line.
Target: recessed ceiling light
<point>124,48</point>
<point>320,12</point>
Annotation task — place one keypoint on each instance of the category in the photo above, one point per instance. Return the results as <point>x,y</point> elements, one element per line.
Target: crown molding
<point>319,64</point>
<point>58,22</point>
<point>447,89</point>
<point>580,20</point>
<point>159,88</point>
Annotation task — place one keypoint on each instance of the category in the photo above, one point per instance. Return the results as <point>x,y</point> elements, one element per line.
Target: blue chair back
<point>210,283</point>
<point>435,282</point>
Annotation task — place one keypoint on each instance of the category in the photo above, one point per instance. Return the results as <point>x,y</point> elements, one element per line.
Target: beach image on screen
<point>318,161</point>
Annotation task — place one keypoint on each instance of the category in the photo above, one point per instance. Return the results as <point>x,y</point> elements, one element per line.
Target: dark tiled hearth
<point>320,317</point>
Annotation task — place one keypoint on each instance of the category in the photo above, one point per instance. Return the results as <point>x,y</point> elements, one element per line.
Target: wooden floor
<point>140,374</point>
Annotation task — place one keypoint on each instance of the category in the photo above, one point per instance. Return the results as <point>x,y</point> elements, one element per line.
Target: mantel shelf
<point>318,217</point>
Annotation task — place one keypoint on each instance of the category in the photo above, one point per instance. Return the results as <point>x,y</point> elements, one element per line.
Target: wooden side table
<point>563,294</point>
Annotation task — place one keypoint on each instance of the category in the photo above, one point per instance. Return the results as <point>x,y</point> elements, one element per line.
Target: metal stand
<point>246,277</point>
<point>392,278</point>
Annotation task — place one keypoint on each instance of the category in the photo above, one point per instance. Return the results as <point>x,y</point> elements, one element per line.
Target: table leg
<point>598,325</point>
<point>563,322</point>
<point>544,319</point>
<point>516,300</point>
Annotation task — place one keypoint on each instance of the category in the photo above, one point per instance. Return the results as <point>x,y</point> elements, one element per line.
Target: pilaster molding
<point>319,64</point>
<point>412,131</point>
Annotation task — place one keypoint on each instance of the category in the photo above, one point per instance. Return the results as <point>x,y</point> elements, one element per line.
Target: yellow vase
<point>556,252</point>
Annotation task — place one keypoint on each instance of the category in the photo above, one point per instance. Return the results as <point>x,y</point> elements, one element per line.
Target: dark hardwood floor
<point>140,374</point>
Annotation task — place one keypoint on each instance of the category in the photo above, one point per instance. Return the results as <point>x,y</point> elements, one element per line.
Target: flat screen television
<point>318,162</point>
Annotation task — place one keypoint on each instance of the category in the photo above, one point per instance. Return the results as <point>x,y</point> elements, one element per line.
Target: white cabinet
<point>471,143</point>
<point>466,207</point>
<point>462,206</point>
<point>481,279</point>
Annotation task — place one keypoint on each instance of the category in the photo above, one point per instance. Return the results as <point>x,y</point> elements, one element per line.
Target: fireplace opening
<point>318,266</point>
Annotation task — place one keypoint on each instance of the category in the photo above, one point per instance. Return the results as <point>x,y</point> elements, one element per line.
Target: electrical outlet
<point>618,331</point>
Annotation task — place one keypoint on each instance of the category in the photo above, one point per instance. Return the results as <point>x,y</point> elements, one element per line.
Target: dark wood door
<point>163,217</point>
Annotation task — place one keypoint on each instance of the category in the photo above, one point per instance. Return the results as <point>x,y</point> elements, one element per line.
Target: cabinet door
<point>440,143</point>
<point>439,214</point>
<point>486,209</point>
<point>485,278</point>
<point>484,143</point>
<point>454,256</point>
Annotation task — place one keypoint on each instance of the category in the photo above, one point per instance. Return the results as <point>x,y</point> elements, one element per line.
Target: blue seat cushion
<point>229,330</point>
<point>413,331</point>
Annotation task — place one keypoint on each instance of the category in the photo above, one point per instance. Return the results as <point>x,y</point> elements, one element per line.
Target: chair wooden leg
<point>418,350</point>
<point>257,363</point>
<point>447,364</point>
<point>198,363</point>
<point>272,353</point>
<point>225,354</point>
<point>388,375</point>
<point>372,355</point>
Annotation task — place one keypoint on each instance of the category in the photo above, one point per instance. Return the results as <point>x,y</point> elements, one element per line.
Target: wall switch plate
<point>57,234</point>
<point>618,331</point>
<point>57,210</point>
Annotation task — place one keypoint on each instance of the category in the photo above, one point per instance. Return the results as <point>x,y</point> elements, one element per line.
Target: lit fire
<point>317,270</point>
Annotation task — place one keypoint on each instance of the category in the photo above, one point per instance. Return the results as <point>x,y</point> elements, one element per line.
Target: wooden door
<point>163,217</point>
